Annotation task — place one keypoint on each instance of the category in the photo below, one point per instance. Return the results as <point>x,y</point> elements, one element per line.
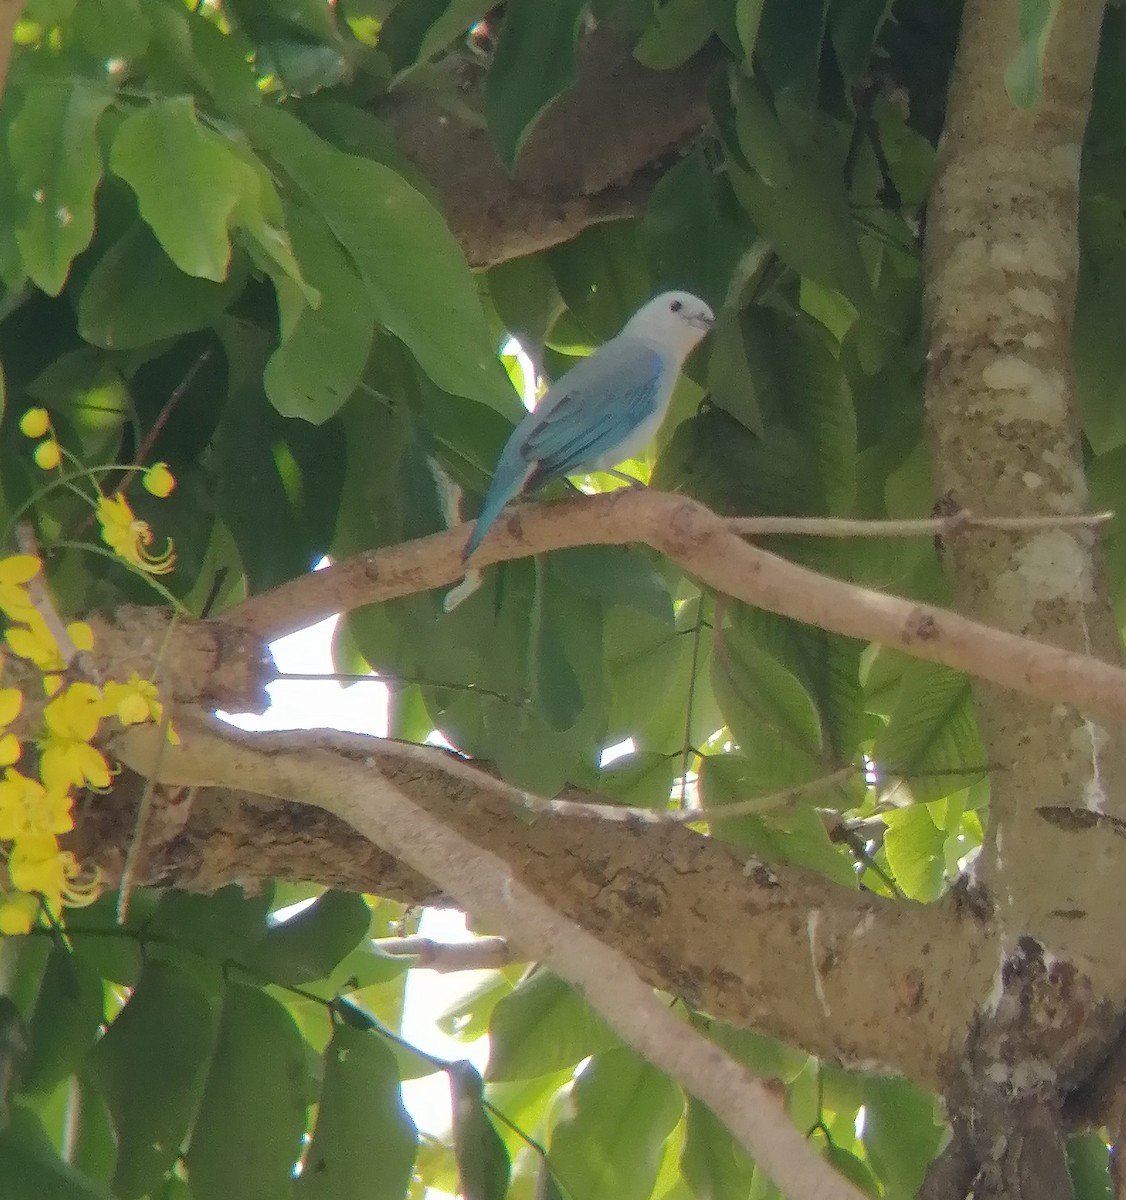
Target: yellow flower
<point>75,713</point>
<point>35,422</point>
<point>67,762</point>
<point>127,536</point>
<point>34,641</point>
<point>38,865</point>
<point>16,571</point>
<point>46,455</point>
<point>11,701</point>
<point>134,702</point>
<point>10,749</point>
<point>27,807</point>
<point>159,480</point>
<point>18,911</point>
<point>81,635</point>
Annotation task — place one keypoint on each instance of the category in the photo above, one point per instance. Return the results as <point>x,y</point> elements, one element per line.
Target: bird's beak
<point>703,321</point>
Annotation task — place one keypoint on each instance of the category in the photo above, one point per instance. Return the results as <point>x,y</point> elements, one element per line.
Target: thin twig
<point>687,816</point>
<point>841,527</point>
<point>390,681</point>
<point>140,825</point>
<point>481,954</point>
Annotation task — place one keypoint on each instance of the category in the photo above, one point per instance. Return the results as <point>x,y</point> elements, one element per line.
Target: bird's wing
<point>598,404</point>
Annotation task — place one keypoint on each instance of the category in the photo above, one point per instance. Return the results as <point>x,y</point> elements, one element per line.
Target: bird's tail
<point>509,478</point>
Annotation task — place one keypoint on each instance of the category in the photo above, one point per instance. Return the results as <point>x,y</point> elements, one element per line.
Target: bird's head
<point>673,320</point>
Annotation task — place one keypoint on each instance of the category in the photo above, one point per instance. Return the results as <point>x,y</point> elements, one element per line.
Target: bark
<point>1001,263</point>
<point>577,168</point>
<point>806,964</point>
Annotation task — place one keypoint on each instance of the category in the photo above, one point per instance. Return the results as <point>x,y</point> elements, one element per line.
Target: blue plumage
<point>604,410</point>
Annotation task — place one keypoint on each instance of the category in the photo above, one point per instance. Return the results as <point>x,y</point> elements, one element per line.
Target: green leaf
<point>136,295</point>
<point>680,30</point>
<point>933,727</point>
<point>112,29</point>
<point>788,48</point>
<point>308,946</point>
<point>31,1170</point>
<point>1023,79</point>
<point>1088,1163</point>
<point>152,1081</point>
<point>602,276</point>
<point>482,1159</point>
<point>622,1111</point>
<point>915,851</point>
<point>57,165</point>
<point>901,1135</point>
<point>854,26</point>
<point>85,389</point>
<point>417,29</point>
<point>247,1133</point>
<point>66,1021</point>
<point>224,924</point>
<point>188,181</point>
<point>762,140</point>
<point>541,1027</point>
<point>748,17</point>
<point>807,219</point>
<point>534,61</point>
<point>643,780</point>
<point>693,233</point>
<point>764,702</point>
<point>322,358</point>
<point>714,1166</point>
<point>365,1142</point>
<point>414,271</point>
<point>731,381</point>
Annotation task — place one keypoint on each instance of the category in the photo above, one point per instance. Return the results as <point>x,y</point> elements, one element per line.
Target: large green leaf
<point>901,1135</point>
<point>31,1170</point>
<point>66,1022</point>
<point>713,1164</point>
<point>765,704</point>
<point>188,180</point>
<point>414,271</point>
<point>534,61</point>
<point>136,295</point>
<point>609,1146</point>
<point>364,1143</point>
<point>806,216</point>
<point>57,165</point>
<point>322,358</point>
<point>932,730</point>
<point>541,1027</point>
<point>152,1080</point>
<point>247,1133</point>
<point>308,945</point>
<point>416,29</point>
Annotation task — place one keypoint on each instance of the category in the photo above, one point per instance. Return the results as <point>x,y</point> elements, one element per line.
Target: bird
<point>604,410</point>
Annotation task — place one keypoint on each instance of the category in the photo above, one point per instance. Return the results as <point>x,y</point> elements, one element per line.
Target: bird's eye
<point>676,306</point>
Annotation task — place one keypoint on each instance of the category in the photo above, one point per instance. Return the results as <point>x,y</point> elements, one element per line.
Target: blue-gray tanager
<point>603,410</point>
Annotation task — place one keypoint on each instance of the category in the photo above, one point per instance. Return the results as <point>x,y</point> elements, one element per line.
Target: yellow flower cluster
<point>37,807</point>
<point>122,531</point>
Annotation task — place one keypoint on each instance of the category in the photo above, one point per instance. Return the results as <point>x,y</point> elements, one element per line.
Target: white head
<point>672,321</point>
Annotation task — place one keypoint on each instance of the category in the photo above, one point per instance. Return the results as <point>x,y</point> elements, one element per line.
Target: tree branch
<point>485,885</point>
<point>605,173</point>
<point>706,547</point>
<point>803,969</point>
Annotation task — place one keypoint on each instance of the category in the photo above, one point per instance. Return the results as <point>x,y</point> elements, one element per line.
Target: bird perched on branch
<point>603,410</point>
